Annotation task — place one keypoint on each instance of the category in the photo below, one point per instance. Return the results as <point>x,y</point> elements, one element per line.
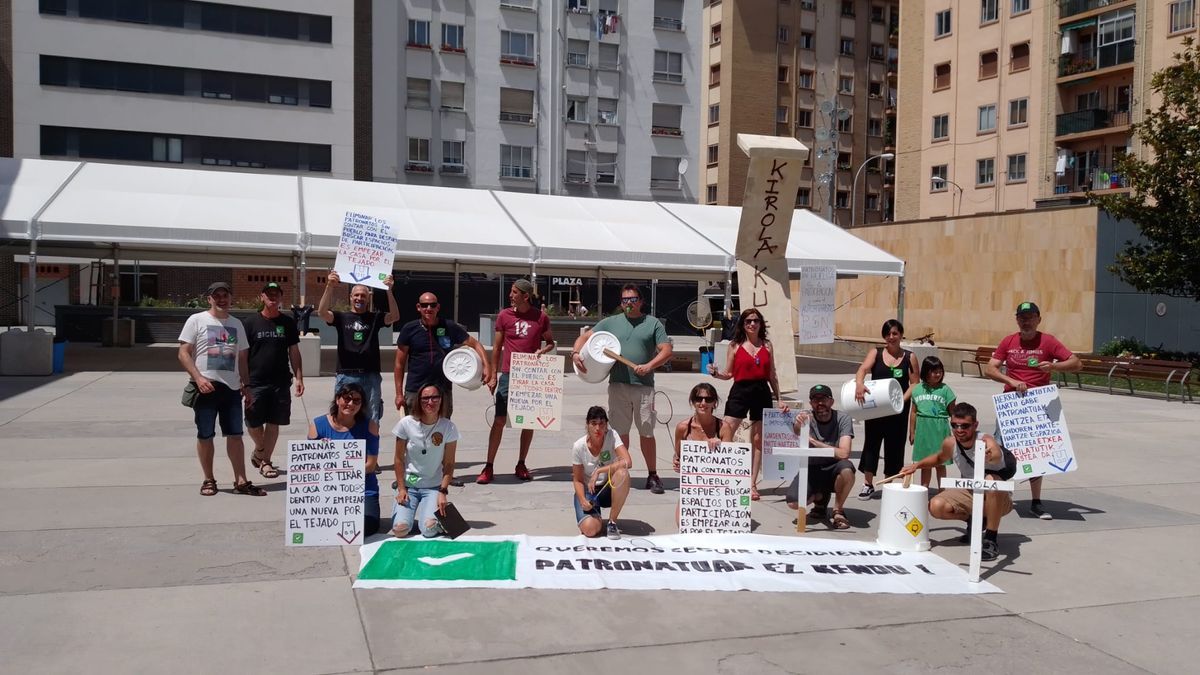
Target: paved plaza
<point>111,561</point>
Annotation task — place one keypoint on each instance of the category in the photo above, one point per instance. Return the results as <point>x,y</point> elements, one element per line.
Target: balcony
<point>1102,57</point>
<point>1076,181</point>
<point>1090,119</point>
<point>518,60</point>
<point>664,183</point>
<point>516,171</point>
<point>606,178</point>
<point>418,167</point>
<point>517,117</point>
<point>453,169</point>
<point>529,5</point>
<point>675,132</point>
<point>668,23</point>
<point>1069,8</point>
<point>576,178</point>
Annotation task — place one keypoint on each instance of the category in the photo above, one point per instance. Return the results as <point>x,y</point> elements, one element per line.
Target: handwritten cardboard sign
<point>1034,427</point>
<point>777,433</point>
<point>325,484</point>
<point>366,251</point>
<point>714,488</point>
<point>818,290</point>
<point>535,392</point>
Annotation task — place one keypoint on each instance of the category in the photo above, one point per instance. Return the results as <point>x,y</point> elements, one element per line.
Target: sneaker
<point>866,492</point>
<point>991,551</point>
<point>485,476</point>
<point>613,532</point>
<point>1036,509</point>
<point>653,484</point>
<point>521,472</point>
<point>966,538</point>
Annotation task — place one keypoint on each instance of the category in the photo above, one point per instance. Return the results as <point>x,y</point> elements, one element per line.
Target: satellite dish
<point>683,166</point>
<point>826,107</point>
<point>843,114</point>
<point>822,134</point>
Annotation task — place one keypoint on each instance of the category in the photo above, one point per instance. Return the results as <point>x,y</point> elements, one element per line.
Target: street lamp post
<point>854,186</point>
<point>938,179</point>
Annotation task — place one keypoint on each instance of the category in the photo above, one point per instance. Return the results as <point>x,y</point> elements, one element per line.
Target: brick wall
<point>180,284</point>
<point>9,276</point>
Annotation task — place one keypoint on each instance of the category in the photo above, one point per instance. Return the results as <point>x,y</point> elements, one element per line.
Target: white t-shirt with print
<point>608,453</point>
<point>426,448</point>
<point>215,346</point>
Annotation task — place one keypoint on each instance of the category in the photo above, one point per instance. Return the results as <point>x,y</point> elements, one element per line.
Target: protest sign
<point>535,392</point>
<point>685,562</point>
<point>366,251</point>
<point>1034,427</point>
<point>818,292</point>
<point>777,433</point>
<point>714,487</point>
<point>325,483</point>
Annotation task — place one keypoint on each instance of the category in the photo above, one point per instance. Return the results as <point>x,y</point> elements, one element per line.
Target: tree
<point>1165,199</point>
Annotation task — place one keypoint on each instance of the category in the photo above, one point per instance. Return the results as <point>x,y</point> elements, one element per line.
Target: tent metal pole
<point>900,299</point>
<point>34,227</point>
<point>728,292</point>
<point>114,291</point>
<point>599,292</point>
<point>456,269</point>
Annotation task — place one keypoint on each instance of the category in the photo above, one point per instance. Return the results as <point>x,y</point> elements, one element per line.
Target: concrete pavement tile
<point>1177,496</point>
<point>302,626</point>
<point>55,473</point>
<point>1158,635</point>
<point>144,557</point>
<point>491,625</point>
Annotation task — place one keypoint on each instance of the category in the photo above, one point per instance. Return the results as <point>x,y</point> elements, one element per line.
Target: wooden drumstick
<point>617,357</point>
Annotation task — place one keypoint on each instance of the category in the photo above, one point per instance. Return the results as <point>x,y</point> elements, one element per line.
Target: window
<point>847,7</point>
<point>710,194</point>
<point>941,127</point>
<point>875,89</point>
<point>666,120</point>
<point>452,37</point>
<point>846,84</point>
<point>577,109</point>
<point>664,173</point>
<point>714,75</point>
<point>806,40</point>
<point>516,47</point>
<point>576,168</point>
<point>714,35</point>
<point>204,150</point>
<point>985,171</point>
<point>453,97</point>
<point>810,5</point>
<point>1183,15</point>
<point>842,201</point>
<point>606,110</point>
<point>941,76</point>
<point>418,92</point>
<point>606,168</point>
<point>846,125</point>
<point>1019,57</point>
<point>876,13</point>
<point>610,58</point>
<point>1018,112</point>
<point>577,53</point>
<point>804,79</point>
<point>783,74</point>
<point>516,105</point>
<point>713,154</point>
<point>989,10</point>
<point>714,113</point>
<point>804,118</point>
<point>846,47</point>
<point>941,23</point>
<point>785,34</point>
<point>781,114</point>
<point>1020,7</point>
<point>516,161</point>
<point>874,127</point>
<point>168,149</point>
<point>1115,38</point>
<point>876,51</point>
<point>987,119</point>
<point>803,197</point>
<point>418,33</point>
<point>202,16</point>
<point>988,62</point>
<point>452,157</point>
<point>418,150</point>
<point>668,66</point>
<point>1016,168</point>
<point>937,178</point>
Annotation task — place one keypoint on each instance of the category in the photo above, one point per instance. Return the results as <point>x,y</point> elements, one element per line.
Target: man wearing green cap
<point>274,360</point>
<point>829,478</point>
<point>1030,358</point>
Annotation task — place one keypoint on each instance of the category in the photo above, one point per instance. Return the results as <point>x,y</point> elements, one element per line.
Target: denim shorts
<point>502,395</point>
<point>222,404</point>
<point>420,509</point>
<point>605,501</point>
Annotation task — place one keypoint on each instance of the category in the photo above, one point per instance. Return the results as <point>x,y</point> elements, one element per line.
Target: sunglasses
<point>427,305</point>
<point>705,399</point>
<point>964,426</point>
<point>351,399</point>
<point>629,301</point>
<point>431,398</point>
<point>750,321</point>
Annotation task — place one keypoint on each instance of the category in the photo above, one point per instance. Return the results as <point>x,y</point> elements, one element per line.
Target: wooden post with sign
<point>977,485</point>
<point>761,251</point>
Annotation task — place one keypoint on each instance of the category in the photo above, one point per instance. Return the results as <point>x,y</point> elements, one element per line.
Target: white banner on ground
<point>535,392</point>
<point>325,483</point>
<point>777,433</point>
<point>366,251</point>
<point>714,487</point>
<point>685,562</point>
<point>818,292</point>
<point>1034,427</point>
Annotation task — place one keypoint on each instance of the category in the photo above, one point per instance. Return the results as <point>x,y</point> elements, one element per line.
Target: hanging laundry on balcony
<point>1060,164</point>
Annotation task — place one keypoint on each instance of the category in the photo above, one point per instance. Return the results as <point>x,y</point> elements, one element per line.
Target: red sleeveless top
<point>746,367</point>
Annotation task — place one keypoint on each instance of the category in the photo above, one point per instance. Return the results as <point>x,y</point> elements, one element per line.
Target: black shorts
<point>747,398</point>
<point>272,405</point>
<point>820,481</point>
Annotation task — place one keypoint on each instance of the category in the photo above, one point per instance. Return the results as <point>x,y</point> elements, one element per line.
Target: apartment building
<point>831,67</point>
<point>1007,102</point>
<point>264,84</point>
<point>596,98</point>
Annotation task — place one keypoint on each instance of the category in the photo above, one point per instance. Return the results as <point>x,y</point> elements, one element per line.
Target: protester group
<point>242,374</point>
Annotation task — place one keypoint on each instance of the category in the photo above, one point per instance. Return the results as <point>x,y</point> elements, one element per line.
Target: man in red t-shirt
<point>1029,357</point>
<point>520,328</point>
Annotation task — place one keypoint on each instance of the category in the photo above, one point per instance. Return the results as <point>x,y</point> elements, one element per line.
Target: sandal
<point>267,469</point>
<point>249,488</point>
<point>754,496</point>
<point>208,488</point>
<point>839,520</point>
<point>255,461</point>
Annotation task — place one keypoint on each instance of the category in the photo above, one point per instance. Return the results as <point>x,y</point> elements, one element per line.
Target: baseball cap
<point>218,286</point>
<point>1028,307</point>
<point>524,286</point>
<point>272,286</point>
<point>820,390</point>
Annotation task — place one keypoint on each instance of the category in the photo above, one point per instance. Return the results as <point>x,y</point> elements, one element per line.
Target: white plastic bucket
<point>904,518</point>
<point>883,398</point>
<point>593,356</point>
<point>463,367</point>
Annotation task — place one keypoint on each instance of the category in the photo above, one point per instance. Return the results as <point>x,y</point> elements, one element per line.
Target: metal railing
<point>667,76</point>
<point>664,183</point>
<point>516,171</point>
<point>1101,57</point>
<point>668,23</point>
<point>577,59</point>
<point>520,117</point>
<point>1089,119</point>
<point>1091,179</point>
<point>457,169</point>
<point>1068,8</point>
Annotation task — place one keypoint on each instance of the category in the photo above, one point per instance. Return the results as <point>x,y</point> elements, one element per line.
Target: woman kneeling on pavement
<point>600,475</point>
<point>425,446</point>
<point>347,420</point>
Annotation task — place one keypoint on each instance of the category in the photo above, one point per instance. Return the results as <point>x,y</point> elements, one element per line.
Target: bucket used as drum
<point>904,518</point>
<point>883,398</point>
<point>594,359</point>
<point>463,367</point>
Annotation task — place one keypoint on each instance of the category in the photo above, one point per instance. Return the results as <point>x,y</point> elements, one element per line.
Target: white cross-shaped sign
<point>978,485</point>
<point>804,453</point>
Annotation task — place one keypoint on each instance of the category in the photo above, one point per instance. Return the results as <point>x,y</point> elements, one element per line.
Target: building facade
<point>254,85</point>
<point>1007,102</point>
<point>831,67</point>
<point>596,98</point>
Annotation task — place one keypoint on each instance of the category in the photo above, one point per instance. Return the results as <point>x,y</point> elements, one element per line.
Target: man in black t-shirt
<point>358,338</point>
<point>421,346</point>
<point>274,356</point>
